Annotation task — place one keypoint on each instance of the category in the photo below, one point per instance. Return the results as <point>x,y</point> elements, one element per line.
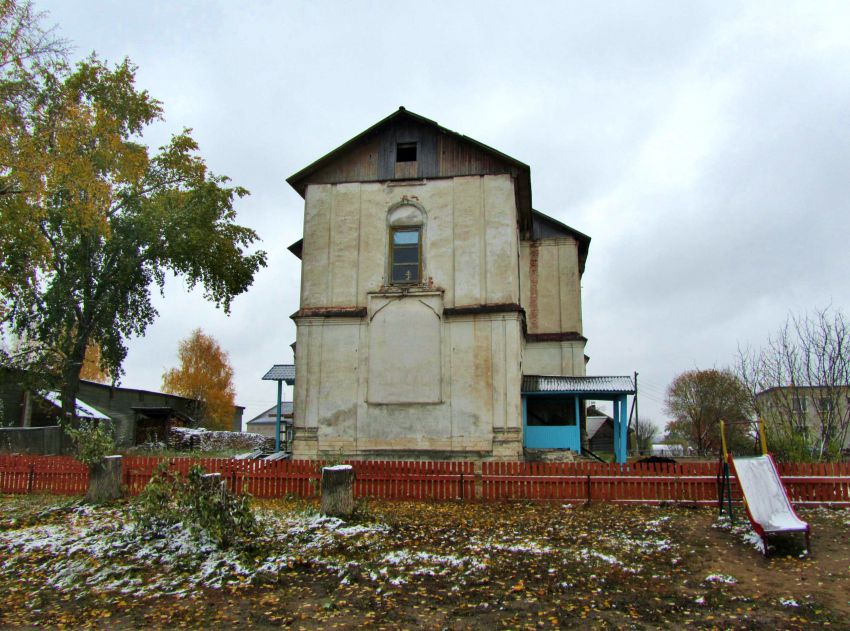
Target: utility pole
<point>637,414</point>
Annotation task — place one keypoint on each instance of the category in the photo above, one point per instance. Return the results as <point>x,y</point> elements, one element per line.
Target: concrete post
<point>338,490</point>
<point>105,480</point>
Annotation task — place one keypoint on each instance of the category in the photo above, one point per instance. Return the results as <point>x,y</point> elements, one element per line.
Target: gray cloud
<point>703,146</point>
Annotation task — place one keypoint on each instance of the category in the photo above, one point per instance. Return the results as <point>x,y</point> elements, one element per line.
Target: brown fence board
<point>691,483</point>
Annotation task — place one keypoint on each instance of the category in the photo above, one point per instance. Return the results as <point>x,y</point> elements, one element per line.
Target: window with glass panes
<point>405,255</point>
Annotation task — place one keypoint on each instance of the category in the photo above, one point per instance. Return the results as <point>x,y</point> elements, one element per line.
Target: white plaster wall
<point>479,382</point>
<point>778,404</point>
<point>351,394</point>
<point>470,247</point>
<point>554,358</point>
<point>551,285</point>
<point>264,430</point>
<point>405,349</point>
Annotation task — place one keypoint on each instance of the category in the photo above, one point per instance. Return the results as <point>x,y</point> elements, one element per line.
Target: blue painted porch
<point>552,407</point>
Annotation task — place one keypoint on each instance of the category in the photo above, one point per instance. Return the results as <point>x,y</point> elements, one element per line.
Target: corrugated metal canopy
<point>281,372</point>
<point>578,385</point>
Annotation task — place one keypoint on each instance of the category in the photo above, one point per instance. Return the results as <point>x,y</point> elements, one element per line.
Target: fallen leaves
<point>397,565</point>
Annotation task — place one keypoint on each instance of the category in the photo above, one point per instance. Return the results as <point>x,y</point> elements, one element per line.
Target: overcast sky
<point>702,145</point>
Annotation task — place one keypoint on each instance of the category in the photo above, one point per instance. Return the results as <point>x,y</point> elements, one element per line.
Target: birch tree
<point>92,219</point>
<point>646,431</point>
<point>799,383</point>
<point>205,375</point>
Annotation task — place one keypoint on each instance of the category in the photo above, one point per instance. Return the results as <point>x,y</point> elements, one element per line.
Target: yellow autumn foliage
<point>92,369</point>
<point>204,374</point>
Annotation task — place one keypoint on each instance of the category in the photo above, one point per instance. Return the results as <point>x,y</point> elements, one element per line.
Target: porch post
<point>616,430</point>
<point>277,424</point>
<point>622,429</point>
<point>578,423</point>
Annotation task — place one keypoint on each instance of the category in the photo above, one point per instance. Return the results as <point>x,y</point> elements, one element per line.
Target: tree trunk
<point>338,490</point>
<point>105,480</point>
<point>26,412</point>
<point>71,381</point>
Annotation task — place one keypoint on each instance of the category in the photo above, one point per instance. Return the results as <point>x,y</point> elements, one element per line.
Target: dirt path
<point>821,579</point>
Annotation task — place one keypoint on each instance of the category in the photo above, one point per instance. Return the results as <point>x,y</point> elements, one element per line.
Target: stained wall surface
<point>550,285</point>
<point>470,240</point>
<point>432,369</point>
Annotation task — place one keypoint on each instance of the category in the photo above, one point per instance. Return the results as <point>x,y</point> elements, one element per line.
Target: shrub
<point>205,509</point>
<point>798,448</point>
<point>92,440</point>
<point>157,507</point>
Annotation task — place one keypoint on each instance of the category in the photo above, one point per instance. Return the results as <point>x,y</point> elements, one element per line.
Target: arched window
<point>405,222</point>
<point>406,256</point>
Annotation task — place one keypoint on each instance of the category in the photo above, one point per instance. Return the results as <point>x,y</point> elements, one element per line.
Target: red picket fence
<point>689,483</point>
<point>62,475</point>
<point>692,483</point>
<point>260,478</point>
<point>396,480</point>
<point>817,484</point>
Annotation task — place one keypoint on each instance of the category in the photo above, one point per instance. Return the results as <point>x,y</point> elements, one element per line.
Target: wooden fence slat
<point>807,484</point>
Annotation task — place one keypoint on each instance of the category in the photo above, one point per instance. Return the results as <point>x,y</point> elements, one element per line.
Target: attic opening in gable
<point>405,152</point>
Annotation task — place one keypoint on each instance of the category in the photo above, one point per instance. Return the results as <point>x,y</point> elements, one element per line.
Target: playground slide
<point>767,503</point>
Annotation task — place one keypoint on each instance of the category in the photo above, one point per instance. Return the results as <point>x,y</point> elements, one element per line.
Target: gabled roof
<point>546,227</point>
<point>270,416</point>
<point>297,248</point>
<point>402,116</point>
<point>84,410</point>
<point>595,423</point>
<point>281,372</point>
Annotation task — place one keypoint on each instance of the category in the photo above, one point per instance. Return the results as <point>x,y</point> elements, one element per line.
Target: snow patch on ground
<point>423,563</point>
<point>99,549</point>
<point>742,529</point>
<point>753,539</point>
<point>519,547</point>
